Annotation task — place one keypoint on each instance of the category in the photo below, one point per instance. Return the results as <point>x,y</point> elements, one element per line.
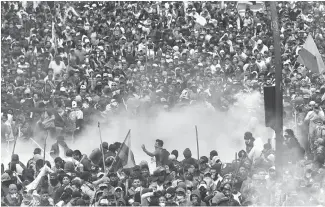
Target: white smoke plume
<point>221,131</point>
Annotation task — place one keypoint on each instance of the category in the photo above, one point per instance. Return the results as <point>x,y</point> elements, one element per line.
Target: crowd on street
<point>65,64</point>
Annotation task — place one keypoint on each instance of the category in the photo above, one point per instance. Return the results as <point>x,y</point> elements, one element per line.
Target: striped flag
<point>125,157</point>
<point>310,57</point>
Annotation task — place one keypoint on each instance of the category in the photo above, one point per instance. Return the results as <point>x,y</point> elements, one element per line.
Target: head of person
<point>288,133</point>
<point>13,189</point>
<point>316,109</point>
<point>65,180</point>
<point>136,182</point>
<point>159,143</point>
<point>180,193</point>
<point>249,139</point>
<point>226,189</point>
<point>118,191</point>
<point>76,155</point>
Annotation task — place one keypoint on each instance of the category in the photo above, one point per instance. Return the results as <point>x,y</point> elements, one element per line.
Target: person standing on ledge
<point>161,155</point>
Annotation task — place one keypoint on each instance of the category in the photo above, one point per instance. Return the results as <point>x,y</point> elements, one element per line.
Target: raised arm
<point>151,154</point>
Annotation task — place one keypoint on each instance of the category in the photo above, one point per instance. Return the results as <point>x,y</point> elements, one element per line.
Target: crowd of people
<point>64,64</point>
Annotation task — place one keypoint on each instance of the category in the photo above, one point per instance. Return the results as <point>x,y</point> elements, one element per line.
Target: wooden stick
<point>197,145</point>
<point>101,142</point>
<point>47,134</point>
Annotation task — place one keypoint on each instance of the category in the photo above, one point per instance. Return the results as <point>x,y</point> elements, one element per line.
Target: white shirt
<point>254,153</point>
<point>57,68</point>
<point>264,49</point>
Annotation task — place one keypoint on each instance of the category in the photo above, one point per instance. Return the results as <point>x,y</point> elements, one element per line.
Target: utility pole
<point>278,90</point>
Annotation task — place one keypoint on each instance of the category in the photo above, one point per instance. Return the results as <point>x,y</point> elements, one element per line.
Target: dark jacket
<point>188,158</point>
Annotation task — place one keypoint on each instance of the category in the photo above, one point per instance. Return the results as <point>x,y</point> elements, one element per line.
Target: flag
<point>54,40</point>
<point>125,157</point>
<point>310,57</point>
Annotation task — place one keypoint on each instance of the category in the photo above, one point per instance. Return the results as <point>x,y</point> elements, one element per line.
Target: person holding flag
<point>124,157</point>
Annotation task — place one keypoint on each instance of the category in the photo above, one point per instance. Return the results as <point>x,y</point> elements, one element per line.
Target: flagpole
<point>197,145</point>
<point>39,146</point>
<point>278,89</point>
<point>101,142</point>
<point>119,150</point>
<point>47,134</point>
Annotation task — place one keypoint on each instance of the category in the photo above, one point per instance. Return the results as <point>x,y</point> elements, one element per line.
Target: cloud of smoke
<point>221,131</point>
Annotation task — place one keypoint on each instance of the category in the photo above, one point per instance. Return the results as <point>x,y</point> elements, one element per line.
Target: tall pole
<point>47,134</point>
<point>101,147</point>
<point>197,145</point>
<point>278,89</point>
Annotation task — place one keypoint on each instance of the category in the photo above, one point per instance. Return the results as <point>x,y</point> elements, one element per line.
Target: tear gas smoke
<point>222,131</point>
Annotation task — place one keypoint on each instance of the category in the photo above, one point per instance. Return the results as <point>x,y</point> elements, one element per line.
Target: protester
<point>64,64</point>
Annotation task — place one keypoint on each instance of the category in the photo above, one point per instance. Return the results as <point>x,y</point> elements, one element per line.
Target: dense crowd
<point>64,64</point>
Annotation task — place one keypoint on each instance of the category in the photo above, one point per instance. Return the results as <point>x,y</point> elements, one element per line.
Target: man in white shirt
<point>252,151</point>
<point>57,65</point>
<point>260,47</point>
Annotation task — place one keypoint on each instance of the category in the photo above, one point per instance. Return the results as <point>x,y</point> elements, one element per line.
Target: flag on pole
<point>125,157</point>
<point>54,40</point>
<point>310,57</point>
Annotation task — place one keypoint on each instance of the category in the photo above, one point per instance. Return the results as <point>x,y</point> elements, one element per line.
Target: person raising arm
<point>160,154</point>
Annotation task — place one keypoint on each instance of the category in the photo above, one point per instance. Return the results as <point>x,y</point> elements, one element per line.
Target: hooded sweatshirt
<point>200,202</point>
<point>188,157</point>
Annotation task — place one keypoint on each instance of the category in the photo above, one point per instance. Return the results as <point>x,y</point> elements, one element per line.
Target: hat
<point>202,185</point>
<point>259,42</point>
<point>82,87</point>
<point>118,188</point>
<point>5,177</point>
<point>103,202</point>
<point>98,76</point>
<point>180,190</point>
<point>181,185</point>
<point>102,185</point>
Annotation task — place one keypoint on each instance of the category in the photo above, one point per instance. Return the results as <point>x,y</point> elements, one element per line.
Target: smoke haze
<point>221,131</point>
